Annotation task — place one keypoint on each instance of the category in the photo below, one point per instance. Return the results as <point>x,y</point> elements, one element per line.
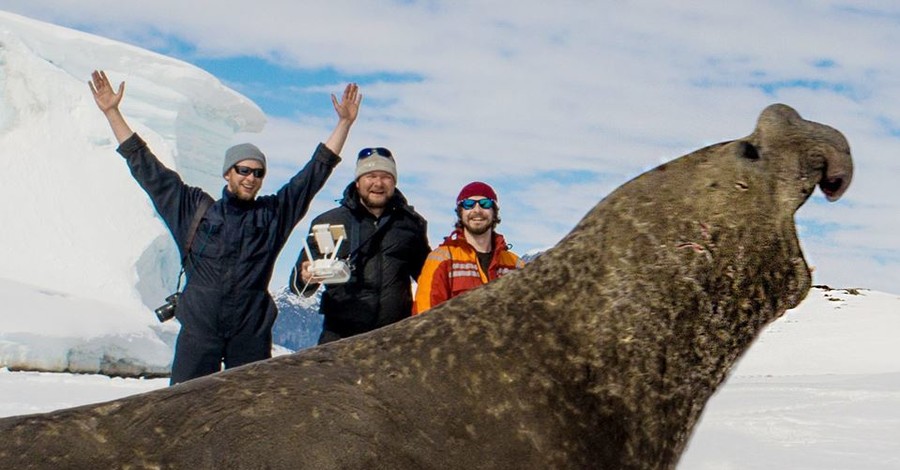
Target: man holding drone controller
<point>366,252</point>
<point>228,250</point>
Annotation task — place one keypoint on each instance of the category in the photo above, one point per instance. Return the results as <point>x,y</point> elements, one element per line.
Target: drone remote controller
<point>329,269</point>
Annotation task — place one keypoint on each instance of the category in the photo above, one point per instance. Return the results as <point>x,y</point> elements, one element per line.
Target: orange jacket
<point>452,268</point>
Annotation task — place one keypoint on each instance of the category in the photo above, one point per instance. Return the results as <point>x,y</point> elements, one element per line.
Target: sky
<point>819,390</point>
<point>553,103</point>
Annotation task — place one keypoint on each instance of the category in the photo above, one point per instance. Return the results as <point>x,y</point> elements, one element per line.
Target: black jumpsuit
<point>226,312</point>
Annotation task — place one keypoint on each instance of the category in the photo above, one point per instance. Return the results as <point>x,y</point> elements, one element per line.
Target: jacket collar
<point>458,238</point>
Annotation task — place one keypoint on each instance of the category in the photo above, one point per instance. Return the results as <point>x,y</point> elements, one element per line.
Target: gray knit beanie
<point>241,152</point>
<point>376,163</point>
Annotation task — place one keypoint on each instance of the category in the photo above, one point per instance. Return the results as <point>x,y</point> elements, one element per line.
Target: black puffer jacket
<point>384,263</point>
<point>236,244</point>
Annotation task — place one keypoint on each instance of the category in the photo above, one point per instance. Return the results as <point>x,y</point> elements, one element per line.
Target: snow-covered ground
<point>820,389</point>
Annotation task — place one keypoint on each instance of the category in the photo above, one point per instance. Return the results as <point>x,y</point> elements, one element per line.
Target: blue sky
<point>281,91</point>
<point>250,74</point>
<point>554,103</point>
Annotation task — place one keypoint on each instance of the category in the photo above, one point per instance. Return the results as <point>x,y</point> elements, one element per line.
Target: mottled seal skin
<point>600,354</point>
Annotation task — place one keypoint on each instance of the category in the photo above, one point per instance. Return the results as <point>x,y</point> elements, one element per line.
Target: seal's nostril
<point>749,151</point>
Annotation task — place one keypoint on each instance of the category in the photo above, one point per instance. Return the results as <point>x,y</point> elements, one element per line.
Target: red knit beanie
<point>476,188</point>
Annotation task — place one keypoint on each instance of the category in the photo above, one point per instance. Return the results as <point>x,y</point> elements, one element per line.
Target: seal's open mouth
<point>834,186</point>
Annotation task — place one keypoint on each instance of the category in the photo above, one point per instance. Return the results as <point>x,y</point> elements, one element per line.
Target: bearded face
<point>376,188</point>
<point>242,180</point>
<point>477,220</point>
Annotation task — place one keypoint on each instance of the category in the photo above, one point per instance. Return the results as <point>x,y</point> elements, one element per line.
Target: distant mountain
<point>299,324</point>
<point>531,256</point>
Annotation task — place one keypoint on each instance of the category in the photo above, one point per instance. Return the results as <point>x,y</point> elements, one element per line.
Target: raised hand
<point>348,107</point>
<point>104,95</point>
<point>108,102</point>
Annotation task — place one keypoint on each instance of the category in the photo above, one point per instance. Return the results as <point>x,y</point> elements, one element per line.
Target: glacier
<point>82,246</point>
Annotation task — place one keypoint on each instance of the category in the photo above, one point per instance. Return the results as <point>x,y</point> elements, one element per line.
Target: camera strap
<point>202,207</point>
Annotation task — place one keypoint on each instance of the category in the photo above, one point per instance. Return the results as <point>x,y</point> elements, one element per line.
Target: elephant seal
<point>601,353</point>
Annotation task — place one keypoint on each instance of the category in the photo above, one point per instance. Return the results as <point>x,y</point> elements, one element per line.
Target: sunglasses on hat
<point>246,170</point>
<point>380,151</point>
<point>469,204</point>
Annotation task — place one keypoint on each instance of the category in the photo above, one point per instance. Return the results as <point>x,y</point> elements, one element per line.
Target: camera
<point>329,269</point>
<point>167,311</point>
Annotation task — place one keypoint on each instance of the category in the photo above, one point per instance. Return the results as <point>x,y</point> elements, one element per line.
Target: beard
<point>378,202</point>
<point>247,195</point>
<point>480,227</point>
<point>242,193</point>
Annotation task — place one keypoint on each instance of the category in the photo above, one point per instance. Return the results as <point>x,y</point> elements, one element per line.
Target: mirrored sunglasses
<point>469,204</point>
<point>246,170</point>
<point>380,151</point>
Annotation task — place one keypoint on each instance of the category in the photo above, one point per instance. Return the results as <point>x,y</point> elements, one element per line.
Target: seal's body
<point>599,354</point>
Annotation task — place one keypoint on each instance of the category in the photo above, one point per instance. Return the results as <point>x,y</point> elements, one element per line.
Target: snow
<point>85,260</point>
<point>820,389</point>
<point>37,392</point>
<point>47,330</point>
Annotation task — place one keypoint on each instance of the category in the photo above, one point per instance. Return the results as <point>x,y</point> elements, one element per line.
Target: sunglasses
<point>246,170</point>
<point>380,151</point>
<point>469,204</point>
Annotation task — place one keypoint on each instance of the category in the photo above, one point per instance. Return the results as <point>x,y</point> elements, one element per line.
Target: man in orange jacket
<point>473,255</point>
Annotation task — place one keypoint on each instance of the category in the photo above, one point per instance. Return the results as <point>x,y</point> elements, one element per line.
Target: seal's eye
<point>749,152</point>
